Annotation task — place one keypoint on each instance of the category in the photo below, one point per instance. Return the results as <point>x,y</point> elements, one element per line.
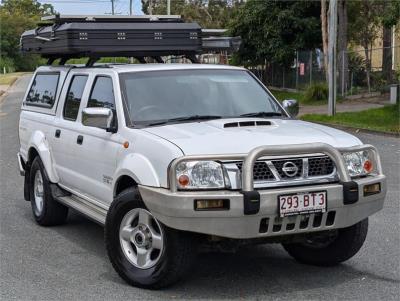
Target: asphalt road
<point>69,262</point>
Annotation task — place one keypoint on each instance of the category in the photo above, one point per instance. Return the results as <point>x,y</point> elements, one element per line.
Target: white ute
<point>172,158</point>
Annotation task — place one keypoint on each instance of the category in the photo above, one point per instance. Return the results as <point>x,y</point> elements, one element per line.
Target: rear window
<point>43,90</point>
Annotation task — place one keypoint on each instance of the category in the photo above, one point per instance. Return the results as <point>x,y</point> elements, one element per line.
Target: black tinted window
<point>102,93</point>
<point>74,95</point>
<point>43,90</point>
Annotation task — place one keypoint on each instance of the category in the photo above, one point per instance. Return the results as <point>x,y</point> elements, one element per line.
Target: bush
<point>6,64</point>
<point>316,92</point>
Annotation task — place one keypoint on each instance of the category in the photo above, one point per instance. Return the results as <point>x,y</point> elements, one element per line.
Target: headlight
<point>201,175</point>
<point>358,163</point>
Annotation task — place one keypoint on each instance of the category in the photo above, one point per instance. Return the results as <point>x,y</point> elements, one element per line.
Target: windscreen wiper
<point>187,118</point>
<point>261,114</point>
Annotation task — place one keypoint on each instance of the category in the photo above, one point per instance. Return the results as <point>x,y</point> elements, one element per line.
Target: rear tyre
<point>330,248</point>
<point>46,210</point>
<point>143,251</point>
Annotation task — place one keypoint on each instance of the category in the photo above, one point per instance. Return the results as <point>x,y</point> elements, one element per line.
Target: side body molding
<point>39,142</point>
<point>139,168</point>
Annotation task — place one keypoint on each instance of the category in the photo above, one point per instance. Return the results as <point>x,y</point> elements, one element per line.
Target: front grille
<point>320,166</point>
<point>279,164</point>
<point>261,171</point>
<point>317,167</point>
<point>282,225</point>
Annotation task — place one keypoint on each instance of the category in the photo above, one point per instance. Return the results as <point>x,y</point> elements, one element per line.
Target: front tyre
<point>144,252</point>
<point>330,248</point>
<point>46,210</point>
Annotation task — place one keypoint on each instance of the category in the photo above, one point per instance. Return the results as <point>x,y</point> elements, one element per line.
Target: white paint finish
<point>83,168</point>
<point>201,138</point>
<point>147,158</point>
<point>33,131</point>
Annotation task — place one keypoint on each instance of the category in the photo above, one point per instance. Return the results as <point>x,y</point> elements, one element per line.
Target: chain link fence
<point>360,71</point>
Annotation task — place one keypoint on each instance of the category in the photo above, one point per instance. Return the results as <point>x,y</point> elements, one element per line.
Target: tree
<point>16,16</point>
<point>390,17</point>
<point>208,13</point>
<point>274,30</point>
<point>343,62</point>
<point>364,29</point>
<point>324,30</point>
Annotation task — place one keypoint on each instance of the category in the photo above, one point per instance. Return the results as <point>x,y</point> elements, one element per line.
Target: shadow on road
<point>227,275</point>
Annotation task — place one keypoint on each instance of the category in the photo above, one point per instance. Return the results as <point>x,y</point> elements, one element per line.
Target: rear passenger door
<point>63,139</point>
<point>96,155</point>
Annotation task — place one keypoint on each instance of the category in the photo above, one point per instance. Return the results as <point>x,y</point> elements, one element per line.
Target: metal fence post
<point>343,71</point>
<point>297,69</point>
<point>310,67</point>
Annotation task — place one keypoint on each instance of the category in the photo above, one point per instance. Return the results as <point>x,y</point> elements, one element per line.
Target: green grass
<point>299,96</point>
<point>10,78</point>
<point>386,119</point>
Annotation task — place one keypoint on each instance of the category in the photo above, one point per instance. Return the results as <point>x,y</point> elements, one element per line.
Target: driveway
<point>69,262</point>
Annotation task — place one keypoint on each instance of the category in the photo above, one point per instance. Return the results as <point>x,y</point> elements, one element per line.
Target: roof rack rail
<point>60,19</point>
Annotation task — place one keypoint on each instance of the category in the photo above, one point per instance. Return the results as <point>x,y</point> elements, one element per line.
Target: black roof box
<point>100,36</point>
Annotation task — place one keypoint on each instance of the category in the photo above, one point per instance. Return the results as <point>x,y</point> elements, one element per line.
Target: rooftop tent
<point>66,36</point>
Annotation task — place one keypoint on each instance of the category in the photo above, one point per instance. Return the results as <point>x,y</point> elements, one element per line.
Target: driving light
<point>211,204</point>
<point>372,189</point>
<point>201,175</point>
<point>358,163</point>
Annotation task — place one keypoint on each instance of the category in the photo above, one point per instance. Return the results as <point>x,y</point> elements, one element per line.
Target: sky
<point>94,7</point>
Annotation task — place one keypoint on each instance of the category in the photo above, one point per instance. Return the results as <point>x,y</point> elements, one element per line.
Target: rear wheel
<point>46,210</point>
<point>331,247</point>
<point>143,251</point>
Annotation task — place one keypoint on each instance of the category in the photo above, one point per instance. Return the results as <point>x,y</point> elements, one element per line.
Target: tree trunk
<point>367,65</point>
<point>324,29</point>
<point>387,54</point>
<point>342,47</point>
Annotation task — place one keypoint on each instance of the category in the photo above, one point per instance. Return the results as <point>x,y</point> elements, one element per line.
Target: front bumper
<point>176,210</point>
<point>254,213</point>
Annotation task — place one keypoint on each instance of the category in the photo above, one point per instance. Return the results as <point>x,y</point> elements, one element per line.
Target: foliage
<point>391,13</point>
<point>208,13</point>
<point>385,119</point>
<point>6,64</point>
<point>316,92</point>
<point>274,30</point>
<point>16,16</point>
<point>357,68</point>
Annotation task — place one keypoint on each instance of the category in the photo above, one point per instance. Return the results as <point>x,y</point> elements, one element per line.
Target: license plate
<point>302,203</point>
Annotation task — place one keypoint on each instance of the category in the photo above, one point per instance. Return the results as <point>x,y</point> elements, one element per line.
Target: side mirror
<point>291,106</point>
<point>99,118</point>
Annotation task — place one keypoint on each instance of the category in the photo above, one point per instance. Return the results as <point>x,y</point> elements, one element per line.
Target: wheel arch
<point>122,183</point>
<point>134,169</point>
<point>38,146</point>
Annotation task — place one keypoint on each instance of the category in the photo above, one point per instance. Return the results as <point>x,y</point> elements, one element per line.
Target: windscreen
<point>163,95</point>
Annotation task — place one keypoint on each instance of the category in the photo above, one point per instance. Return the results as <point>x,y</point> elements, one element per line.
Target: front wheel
<point>331,247</point>
<point>144,252</point>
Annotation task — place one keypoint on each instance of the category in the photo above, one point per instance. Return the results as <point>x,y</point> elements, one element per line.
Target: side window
<point>74,96</point>
<point>43,90</point>
<point>102,94</point>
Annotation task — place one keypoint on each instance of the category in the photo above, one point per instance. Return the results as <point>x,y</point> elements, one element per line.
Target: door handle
<point>79,140</point>
<point>58,133</point>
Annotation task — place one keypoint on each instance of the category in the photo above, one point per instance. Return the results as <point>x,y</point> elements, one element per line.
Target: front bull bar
<point>252,197</point>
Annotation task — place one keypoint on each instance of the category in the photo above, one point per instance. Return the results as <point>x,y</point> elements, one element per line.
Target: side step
<point>90,209</point>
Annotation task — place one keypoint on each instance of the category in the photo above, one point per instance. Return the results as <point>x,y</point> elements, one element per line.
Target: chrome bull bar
<point>278,150</point>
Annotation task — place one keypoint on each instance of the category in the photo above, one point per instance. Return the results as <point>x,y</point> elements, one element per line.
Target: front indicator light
<point>183,180</point>
<point>222,204</point>
<point>368,166</point>
<point>372,189</point>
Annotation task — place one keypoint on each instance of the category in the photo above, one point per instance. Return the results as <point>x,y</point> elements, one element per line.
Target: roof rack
<point>60,19</point>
